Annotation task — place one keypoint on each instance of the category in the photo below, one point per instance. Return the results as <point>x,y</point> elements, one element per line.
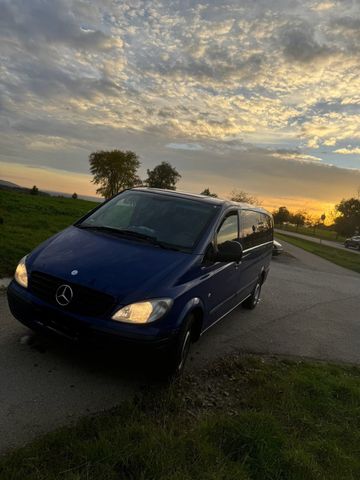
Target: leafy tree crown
<point>114,171</point>
<point>163,176</point>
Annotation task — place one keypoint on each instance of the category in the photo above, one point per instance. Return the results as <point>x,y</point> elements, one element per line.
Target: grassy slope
<point>29,220</point>
<point>319,233</point>
<point>344,258</point>
<point>246,418</point>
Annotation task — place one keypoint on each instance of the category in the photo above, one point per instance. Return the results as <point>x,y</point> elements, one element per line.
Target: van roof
<point>202,198</point>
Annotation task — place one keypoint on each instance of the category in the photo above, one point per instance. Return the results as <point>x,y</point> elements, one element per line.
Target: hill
<point>9,186</point>
<point>27,220</point>
<point>5,183</point>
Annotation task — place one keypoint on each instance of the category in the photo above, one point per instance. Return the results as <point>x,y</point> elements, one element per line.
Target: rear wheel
<point>251,302</point>
<point>346,245</point>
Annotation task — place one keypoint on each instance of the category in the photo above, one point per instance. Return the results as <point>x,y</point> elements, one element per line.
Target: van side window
<point>267,228</point>
<point>229,229</point>
<point>249,222</point>
<point>256,228</point>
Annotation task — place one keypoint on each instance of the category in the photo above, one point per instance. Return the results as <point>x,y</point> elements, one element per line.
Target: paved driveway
<point>309,308</point>
<point>329,243</point>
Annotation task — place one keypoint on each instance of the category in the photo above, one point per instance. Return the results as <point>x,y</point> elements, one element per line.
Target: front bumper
<point>39,316</point>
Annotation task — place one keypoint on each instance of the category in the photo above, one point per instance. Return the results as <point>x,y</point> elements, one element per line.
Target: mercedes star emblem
<point>64,295</point>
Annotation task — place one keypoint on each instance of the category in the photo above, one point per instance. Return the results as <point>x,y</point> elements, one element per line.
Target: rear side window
<point>249,220</point>
<point>229,229</point>
<point>256,228</point>
<point>267,228</point>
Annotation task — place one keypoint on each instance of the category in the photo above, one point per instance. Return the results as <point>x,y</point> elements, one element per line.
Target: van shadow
<point>129,364</point>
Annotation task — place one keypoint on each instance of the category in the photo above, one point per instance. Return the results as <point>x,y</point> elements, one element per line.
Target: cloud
<point>348,151</point>
<point>38,23</point>
<point>185,146</point>
<point>300,44</point>
<point>327,127</point>
<point>205,71</point>
<point>301,157</point>
<point>243,89</point>
<point>323,6</point>
<point>348,24</point>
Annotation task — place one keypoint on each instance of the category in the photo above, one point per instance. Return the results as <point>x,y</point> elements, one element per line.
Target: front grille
<point>85,301</point>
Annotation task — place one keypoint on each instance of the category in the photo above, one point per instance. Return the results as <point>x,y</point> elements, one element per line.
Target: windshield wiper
<point>99,227</point>
<point>149,238</point>
<point>131,233</point>
<point>119,231</point>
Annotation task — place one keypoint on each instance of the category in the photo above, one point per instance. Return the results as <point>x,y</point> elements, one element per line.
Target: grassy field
<point>29,219</point>
<point>346,259</point>
<point>247,418</point>
<point>319,233</point>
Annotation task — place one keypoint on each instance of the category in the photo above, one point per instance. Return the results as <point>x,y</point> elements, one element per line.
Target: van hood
<point>119,266</point>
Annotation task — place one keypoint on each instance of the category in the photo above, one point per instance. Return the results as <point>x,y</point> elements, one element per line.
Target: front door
<point>221,287</point>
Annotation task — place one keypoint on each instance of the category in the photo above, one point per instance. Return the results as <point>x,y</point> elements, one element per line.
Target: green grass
<point>29,219</point>
<point>246,418</point>
<point>343,258</point>
<point>325,234</point>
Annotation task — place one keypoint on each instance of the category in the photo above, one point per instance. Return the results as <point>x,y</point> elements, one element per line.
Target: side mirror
<point>229,251</point>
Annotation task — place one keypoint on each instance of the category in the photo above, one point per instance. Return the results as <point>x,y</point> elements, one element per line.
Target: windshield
<point>174,221</point>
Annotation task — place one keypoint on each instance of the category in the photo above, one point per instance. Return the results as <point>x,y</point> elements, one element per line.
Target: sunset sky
<point>258,95</point>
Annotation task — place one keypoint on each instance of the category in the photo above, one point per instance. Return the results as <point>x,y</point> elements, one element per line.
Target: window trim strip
<point>257,246</point>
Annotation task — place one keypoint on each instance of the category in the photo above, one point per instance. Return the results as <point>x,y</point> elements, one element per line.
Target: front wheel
<point>177,356</point>
<point>251,302</point>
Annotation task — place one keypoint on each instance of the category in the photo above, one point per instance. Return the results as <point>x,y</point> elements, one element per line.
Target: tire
<point>346,245</point>
<point>251,302</point>
<point>175,359</point>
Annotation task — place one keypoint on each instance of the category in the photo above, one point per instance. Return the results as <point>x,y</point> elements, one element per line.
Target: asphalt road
<point>309,308</point>
<point>329,243</point>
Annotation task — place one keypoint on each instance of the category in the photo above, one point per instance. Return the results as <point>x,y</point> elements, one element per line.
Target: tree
<point>281,215</point>
<point>74,196</point>
<point>348,220</point>
<point>244,197</point>
<point>34,190</point>
<point>298,218</point>
<point>208,193</point>
<point>163,176</point>
<point>114,171</point>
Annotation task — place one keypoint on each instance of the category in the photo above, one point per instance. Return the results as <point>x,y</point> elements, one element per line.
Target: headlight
<point>21,275</point>
<point>143,312</point>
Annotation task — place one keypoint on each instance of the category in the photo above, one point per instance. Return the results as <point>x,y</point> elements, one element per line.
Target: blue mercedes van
<point>149,267</point>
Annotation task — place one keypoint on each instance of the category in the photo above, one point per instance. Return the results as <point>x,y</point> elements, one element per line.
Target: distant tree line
<point>283,215</point>
<point>208,193</point>
<point>346,218</point>
<point>35,191</point>
<point>236,196</point>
